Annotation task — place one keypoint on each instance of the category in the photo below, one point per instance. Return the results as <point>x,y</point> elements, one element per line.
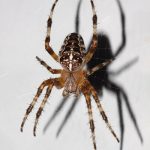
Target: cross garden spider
<point>73,78</point>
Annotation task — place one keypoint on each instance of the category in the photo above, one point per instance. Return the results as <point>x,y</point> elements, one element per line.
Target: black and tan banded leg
<point>31,106</point>
<point>93,45</point>
<point>53,71</point>
<point>102,112</point>
<point>84,87</point>
<point>47,39</point>
<point>39,112</point>
<point>91,122</point>
<point>98,67</point>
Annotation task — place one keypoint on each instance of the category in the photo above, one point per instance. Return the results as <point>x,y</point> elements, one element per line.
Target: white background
<point>22,33</point>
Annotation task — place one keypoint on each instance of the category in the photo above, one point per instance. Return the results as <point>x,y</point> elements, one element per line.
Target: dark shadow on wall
<point>102,78</point>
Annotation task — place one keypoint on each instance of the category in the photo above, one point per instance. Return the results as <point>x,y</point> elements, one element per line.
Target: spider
<point>73,78</point>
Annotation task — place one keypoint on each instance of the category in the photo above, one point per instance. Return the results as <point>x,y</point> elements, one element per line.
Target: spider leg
<point>29,109</point>
<point>98,67</point>
<point>102,112</point>
<point>86,92</point>
<point>47,39</point>
<point>53,71</point>
<point>93,45</point>
<point>91,122</point>
<point>39,112</point>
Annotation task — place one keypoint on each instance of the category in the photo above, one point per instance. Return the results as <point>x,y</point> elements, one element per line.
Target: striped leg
<point>94,94</point>
<point>98,67</point>
<point>53,71</point>
<point>47,39</point>
<point>38,114</point>
<point>94,39</point>
<point>91,122</point>
<point>31,106</point>
<point>84,87</point>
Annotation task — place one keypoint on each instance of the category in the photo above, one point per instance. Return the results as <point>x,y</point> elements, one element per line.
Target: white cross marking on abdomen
<point>70,61</point>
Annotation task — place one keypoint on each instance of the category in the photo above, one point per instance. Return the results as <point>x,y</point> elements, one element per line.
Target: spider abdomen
<point>72,52</point>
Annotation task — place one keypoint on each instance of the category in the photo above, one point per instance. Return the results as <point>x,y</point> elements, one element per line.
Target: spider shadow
<point>58,110</point>
<point>102,79</point>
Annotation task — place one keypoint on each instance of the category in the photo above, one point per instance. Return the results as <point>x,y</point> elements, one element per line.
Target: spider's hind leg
<point>85,90</point>
<point>38,114</point>
<point>31,106</point>
<point>91,122</point>
<point>102,112</point>
<point>58,83</point>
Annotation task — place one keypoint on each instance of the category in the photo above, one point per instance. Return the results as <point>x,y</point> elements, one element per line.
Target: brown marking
<point>104,116</point>
<point>49,22</point>
<point>95,19</point>
<point>47,39</point>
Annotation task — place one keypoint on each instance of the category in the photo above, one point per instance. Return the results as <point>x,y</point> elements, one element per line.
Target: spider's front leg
<point>94,38</point>
<point>47,39</point>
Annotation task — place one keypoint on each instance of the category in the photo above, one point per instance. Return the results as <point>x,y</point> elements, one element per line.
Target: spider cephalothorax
<point>72,52</point>
<point>73,78</point>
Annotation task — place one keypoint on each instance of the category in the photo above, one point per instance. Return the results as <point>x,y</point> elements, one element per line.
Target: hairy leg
<point>47,39</point>
<point>53,71</point>
<point>38,114</point>
<point>98,67</point>
<point>86,91</point>
<point>94,39</point>
<point>29,109</point>
<point>91,122</point>
<point>102,112</point>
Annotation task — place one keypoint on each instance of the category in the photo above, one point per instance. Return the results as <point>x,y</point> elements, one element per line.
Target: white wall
<point>22,33</point>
